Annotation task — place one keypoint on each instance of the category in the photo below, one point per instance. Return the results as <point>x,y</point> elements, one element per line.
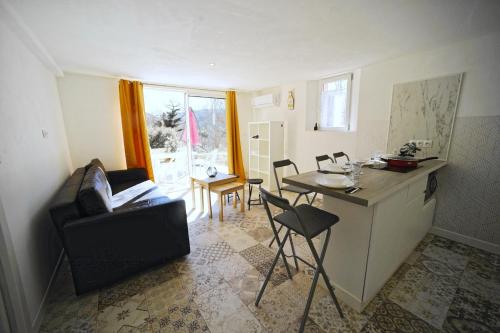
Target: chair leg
<point>274,238</point>
<point>307,198</point>
<point>309,301</point>
<point>319,261</point>
<point>314,197</point>
<point>268,276</point>
<point>249,195</point>
<point>319,270</point>
<point>297,199</point>
<point>294,255</point>
<point>260,198</point>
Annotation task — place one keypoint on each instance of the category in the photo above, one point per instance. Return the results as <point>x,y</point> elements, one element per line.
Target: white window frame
<point>347,127</point>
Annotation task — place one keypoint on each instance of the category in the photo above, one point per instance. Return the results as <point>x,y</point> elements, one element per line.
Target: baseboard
<point>35,325</point>
<point>345,296</point>
<point>471,241</point>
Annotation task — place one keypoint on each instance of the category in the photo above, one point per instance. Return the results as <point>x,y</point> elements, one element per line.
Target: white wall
<point>91,109</point>
<point>478,58</point>
<point>480,97</point>
<point>32,168</point>
<point>301,144</point>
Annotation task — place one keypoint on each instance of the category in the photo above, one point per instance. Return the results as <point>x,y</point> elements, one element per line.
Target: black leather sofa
<point>105,244</point>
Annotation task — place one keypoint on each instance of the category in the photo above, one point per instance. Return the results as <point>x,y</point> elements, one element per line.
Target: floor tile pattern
<point>443,286</point>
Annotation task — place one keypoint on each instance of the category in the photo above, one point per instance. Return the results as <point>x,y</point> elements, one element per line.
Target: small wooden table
<point>227,188</point>
<point>208,183</point>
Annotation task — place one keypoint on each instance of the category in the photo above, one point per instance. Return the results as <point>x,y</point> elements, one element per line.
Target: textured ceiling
<point>253,43</point>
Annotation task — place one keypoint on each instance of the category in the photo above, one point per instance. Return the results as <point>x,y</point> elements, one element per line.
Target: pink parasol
<point>193,126</point>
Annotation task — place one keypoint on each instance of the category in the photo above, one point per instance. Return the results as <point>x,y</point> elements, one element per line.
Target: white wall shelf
<point>264,150</point>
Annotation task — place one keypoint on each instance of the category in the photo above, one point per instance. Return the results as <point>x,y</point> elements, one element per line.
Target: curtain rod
<point>182,87</point>
<point>120,77</point>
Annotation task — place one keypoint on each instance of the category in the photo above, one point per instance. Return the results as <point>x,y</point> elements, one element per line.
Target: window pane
<point>165,120</point>
<point>211,148</point>
<point>333,104</point>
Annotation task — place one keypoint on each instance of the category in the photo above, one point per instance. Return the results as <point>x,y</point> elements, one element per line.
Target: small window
<point>335,103</point>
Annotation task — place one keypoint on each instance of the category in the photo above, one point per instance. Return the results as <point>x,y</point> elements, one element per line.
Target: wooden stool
<point>227,188</point>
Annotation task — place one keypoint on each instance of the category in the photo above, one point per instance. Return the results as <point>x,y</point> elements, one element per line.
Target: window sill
<point>334,129</point>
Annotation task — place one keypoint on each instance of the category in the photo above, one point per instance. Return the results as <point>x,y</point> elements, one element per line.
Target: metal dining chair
<point>340,155</point>
<point>309,222</point>
<point>290,188</point>
<point>322,158</point>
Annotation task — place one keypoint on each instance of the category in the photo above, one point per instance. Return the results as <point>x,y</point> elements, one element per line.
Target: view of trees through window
<point>210,119</point>
<point>187,134</point>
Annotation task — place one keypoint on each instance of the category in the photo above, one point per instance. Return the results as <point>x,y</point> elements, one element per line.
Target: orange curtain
<point>135,133</point>
<point>234,155</point>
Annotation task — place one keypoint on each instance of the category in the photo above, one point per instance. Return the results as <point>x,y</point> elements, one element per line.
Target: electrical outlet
<point>420,143</point>
<point>427,144</point>
<point>413,141</point>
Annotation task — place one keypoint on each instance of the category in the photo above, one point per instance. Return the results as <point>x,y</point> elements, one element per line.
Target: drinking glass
<point>355,172</point>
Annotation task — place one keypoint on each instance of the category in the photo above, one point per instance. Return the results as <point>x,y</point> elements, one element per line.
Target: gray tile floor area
<point>443,286</point>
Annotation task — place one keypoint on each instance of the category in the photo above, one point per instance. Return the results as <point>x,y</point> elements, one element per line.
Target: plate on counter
<point>336,168</point>
<point>334,181</point>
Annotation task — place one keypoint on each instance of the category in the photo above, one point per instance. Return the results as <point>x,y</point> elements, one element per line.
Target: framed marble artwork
<point>424,110</point>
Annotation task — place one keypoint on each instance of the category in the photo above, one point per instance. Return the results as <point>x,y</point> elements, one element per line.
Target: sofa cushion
<point>95,193</point>
<point>120,187</point>
<point>97,162</point>
<point>143,191</point>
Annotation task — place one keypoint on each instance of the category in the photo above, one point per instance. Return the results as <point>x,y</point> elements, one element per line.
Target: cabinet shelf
<point>268,147</point>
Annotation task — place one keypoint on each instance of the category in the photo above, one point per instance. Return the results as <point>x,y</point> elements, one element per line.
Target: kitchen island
<point>379,227</point>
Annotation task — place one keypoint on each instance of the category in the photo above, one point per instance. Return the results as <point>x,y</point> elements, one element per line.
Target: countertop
<point>376,184</point>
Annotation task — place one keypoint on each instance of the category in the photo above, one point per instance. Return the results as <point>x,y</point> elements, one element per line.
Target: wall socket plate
<point>427,143</point>
<point>422,143</point>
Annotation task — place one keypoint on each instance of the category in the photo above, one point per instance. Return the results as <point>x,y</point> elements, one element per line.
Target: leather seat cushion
<point>315,220</point>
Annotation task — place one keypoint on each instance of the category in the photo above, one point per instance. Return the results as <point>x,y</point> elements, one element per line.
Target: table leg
<point>242,200</point>
<point>202,199</point>
<point>234,199</point>
<point>192,193</point>
<point>209,204</point>
<point>221,207</point>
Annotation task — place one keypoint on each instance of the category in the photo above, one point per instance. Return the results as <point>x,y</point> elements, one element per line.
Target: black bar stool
<point>251,182</point>
<point>340,154</point>
<point>322,158</point>
<point>309,222</point>
<point>290,188</point>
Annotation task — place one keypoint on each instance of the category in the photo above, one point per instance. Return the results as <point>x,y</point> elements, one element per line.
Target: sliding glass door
<point>209,128</point>
<point>187,134</point>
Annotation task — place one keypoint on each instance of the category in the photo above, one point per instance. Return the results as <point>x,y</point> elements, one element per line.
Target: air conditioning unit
<point>265,101</point>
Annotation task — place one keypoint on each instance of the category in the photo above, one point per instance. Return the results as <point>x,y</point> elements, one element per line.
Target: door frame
<point>189,92</point>
<point>11,289</point>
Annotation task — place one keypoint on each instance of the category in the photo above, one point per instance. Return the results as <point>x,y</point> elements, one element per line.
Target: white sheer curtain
<point>333,109</point>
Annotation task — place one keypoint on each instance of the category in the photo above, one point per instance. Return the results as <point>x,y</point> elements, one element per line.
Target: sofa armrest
<point>107,247</point>
<point>129,175</point>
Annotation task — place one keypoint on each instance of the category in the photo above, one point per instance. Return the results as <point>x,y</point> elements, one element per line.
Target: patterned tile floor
<point>443,286</point>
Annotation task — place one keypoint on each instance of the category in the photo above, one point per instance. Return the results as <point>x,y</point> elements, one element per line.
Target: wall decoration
<point>424,110</point>
<point>291,100</point>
